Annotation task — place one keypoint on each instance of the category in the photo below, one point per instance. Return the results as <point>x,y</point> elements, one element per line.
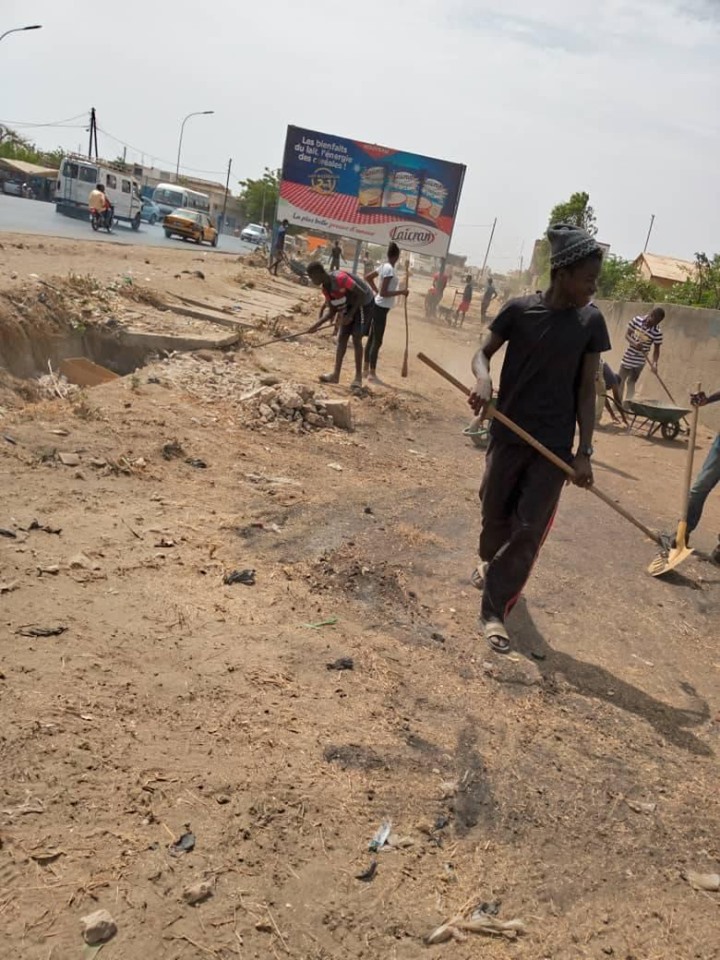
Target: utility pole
<point>652,222</point>
<point>487,252</point>
<point>227,190</point>
<point>93,135</point>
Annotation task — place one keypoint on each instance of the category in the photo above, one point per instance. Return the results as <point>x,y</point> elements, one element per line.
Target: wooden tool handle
<point>690,457</point>
<point>541,449</point>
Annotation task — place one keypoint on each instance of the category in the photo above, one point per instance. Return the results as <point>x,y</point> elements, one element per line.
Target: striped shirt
<point>641,338</point>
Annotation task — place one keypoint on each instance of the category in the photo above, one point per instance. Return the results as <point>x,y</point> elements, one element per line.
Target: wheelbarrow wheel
<point>670,430</point>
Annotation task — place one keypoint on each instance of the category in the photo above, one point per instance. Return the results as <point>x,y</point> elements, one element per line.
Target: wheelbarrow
<point>656,416</point>
<point>300,271</point>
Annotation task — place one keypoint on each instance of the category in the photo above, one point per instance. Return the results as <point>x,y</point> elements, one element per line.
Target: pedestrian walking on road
<point>335,255</point>
<point>279,247</point>
<point>547,384</point>
<point>388,290</point>
<point>642,334</point>
<point>488,296</point>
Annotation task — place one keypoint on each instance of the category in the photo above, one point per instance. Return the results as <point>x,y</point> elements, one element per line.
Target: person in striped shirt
<point>643,333</point>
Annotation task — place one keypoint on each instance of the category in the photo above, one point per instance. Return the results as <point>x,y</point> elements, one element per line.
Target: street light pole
<point>33,26</point>
<point>198,113</point>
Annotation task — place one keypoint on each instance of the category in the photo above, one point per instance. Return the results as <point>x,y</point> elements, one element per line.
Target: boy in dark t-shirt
<point>547,383</point>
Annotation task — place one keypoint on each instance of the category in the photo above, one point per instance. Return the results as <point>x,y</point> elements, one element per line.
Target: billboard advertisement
<point>369,193</point>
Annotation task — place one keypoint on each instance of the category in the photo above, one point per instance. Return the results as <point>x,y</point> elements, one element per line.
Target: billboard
<point>369,193</point>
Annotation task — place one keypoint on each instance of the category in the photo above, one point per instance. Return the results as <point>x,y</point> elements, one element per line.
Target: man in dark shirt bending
<point>547,384</point>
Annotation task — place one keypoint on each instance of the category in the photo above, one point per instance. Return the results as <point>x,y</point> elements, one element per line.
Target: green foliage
<point>259,197</point>
<point>621,280</point>
<point>577,211</point>
<point>703,288</point>
<point>15,147</point>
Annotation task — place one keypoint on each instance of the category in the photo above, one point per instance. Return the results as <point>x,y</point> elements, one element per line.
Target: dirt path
<point>573,781</point>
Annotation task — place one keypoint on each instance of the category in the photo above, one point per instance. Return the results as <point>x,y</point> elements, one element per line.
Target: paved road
<point>31,216</point>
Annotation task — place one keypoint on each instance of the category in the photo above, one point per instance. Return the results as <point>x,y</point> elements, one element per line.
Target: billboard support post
<point>358,251</point>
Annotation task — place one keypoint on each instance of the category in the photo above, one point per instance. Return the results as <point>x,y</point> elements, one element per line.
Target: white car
<point>254,233</point>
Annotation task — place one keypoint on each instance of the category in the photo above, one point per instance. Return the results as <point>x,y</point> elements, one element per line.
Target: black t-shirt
<point>541,371</point>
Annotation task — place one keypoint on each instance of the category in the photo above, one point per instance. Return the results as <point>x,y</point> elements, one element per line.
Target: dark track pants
<point>519,494</point>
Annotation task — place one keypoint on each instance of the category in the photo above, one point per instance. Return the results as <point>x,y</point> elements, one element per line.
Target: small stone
<point>198,892</point>
<point>313,419</point>
<point>264,926</point>
<point>269,380</point>
<point>82,562</point>
<point>98,927</point>
<point>53,570</point>
<point>222,799</point>
<point>69,459</point>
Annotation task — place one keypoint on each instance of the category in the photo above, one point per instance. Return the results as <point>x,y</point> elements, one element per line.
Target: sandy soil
<point>574,781</point>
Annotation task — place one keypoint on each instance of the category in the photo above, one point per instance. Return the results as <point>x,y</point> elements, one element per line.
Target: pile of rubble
<point>260,400</point>
<point>272,403</point>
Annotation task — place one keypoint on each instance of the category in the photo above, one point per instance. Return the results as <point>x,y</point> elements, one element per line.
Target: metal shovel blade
<point>665,562</point>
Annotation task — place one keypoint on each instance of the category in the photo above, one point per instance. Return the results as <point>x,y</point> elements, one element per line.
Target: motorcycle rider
<point>100,204</point>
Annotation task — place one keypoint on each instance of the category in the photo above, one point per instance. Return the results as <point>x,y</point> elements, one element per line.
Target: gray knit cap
<point>569,244</point>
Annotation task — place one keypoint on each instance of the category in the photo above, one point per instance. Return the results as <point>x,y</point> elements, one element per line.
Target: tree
<point>15,147</point>
<point>579,213</point>
<point>621,280</point>
<point>702,288</point>
<point>259,197</point>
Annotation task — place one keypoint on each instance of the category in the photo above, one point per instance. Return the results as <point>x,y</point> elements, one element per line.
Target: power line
<point>53,123</point>
<point>152,157</point>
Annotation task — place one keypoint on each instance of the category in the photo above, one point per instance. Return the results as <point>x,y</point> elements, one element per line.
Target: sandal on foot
<point>356,384</point>
<point>477,577</point>
<point>496,635</point>
<point>329,378</point>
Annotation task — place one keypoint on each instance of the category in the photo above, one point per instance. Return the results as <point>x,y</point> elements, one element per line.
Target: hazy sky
<point>538,99</point>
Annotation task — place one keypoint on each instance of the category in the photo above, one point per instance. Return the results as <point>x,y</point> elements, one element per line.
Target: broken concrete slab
<point>84,373</point>
<point>339,411</point>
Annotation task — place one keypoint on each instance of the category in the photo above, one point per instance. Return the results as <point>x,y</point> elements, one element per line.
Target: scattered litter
<point>10,534</point>
<point>33,631</point>
<point>638,806</point>
<point>702,881</point>
<point>342,663</point>
<point>172,449</point>
<point>196,462</point>
<point>9,439</point>
<point>69,459</point>
<point>336,467</point>
<point>368,874</point>
<point>240,576</point>
<point>45,527</point>
<point>98,927</point>
<point>198,892</point>
<point>61,432</point>
<point>9,587</point>
<point>53,570</point>
<point>381,836</point>
<point>478,919</point>
<point>184,844</point>
<point>328,622</point>
<point>165,543</point>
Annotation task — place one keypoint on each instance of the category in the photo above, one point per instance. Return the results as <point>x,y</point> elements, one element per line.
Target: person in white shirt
<point>384,301</point>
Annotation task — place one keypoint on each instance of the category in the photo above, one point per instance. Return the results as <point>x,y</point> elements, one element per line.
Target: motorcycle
<point>101,219</point>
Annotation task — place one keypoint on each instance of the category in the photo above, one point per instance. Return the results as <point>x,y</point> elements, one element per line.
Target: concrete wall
<point>690,351</point>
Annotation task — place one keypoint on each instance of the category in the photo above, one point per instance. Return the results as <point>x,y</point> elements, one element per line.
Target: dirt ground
<point>574,781</point>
